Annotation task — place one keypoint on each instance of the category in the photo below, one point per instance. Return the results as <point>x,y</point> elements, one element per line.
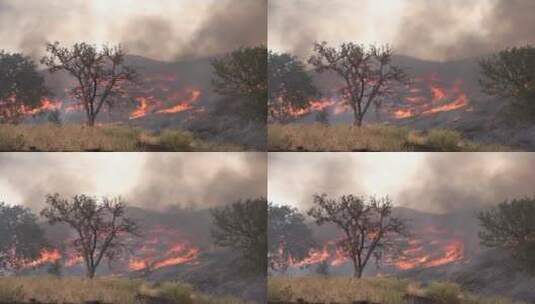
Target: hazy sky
<point>436,182</point>
<point>150,180</point>
<point>438,30</point>
<point>163,29</point>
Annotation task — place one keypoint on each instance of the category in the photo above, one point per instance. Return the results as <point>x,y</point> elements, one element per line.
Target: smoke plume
<point>165,30</point>
<point>149,181</point>
<point>435,30</point>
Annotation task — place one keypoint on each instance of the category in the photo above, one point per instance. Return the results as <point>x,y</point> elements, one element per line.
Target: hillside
<point>441,95</point>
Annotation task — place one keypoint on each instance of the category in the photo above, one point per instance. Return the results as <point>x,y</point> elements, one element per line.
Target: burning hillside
<point>159,247</point>
<point>435,241</point>
<point>428,96</point>
<point>161,90</point>
<point>429,248</point>
<point>424,97</point>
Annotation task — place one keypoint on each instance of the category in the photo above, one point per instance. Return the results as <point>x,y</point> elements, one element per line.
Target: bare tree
<point>370,230</point>
<point>101,226</point>
<point>368,73</point>
<point>100,74</point>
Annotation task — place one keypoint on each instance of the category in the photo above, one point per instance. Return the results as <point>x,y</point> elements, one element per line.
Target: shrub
<point>444,293</point>
<point>176,140</point>
<point>444,140</point>
<point>180,293</point>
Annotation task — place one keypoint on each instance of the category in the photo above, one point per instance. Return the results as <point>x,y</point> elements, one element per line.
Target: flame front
<point>441,100</point>
<point>434,247</point>
<point>47,256</point>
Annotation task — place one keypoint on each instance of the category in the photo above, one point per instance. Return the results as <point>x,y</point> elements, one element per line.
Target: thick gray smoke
<point>196,180</point>
<point>34,177</point>
<point>310,173</point>
<point>194,30</point>
<point>422,32</point>
<point>437,30</point>
<point>451,183</point>
<point>180,179</point>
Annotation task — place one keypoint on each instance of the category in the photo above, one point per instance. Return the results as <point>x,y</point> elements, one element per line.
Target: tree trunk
<point>357,270</point>
<point>91,274</point>
<point>357,117</point>
<point>91,120</point>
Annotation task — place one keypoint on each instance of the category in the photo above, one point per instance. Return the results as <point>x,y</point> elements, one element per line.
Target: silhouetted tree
<point>510,226</point>
<point>101,226</point>
<point>368,73</point>
<point>290,87</point>
<point>54,269</point>
<point>242,76</point>
<point>510,74</point>
<point>242,226</point>
<point>323,268</point>
<point>21,87</point>
<point>21,238</point>
<point>289,237</point>
<point>370,230</point>
<point>101,75</point>
<point>54,117</point>
<point>322,117</point>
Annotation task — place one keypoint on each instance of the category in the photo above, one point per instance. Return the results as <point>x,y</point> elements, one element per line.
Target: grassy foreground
<point>319,137</point>
<point>108,290</point>
<point>380,290</point>
<point>76,137</point>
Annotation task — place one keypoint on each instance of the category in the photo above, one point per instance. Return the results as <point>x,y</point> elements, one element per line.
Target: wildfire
<point>141,110</point>
<point>184,101</point>
<point>165,247</point>
<point>440,100</point>
<point>47,256</point>
<point>434,247</point>
<point>183,105</point>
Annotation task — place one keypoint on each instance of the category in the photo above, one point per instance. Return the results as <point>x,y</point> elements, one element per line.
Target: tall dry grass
<point>76,137</point>
<point>344,137</point>
<point>108,290</point>
<point>379,289</point>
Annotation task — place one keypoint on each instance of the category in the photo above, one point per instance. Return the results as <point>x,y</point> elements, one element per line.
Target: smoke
<point>189,180</point>
<point>435,30</point>
<point>429,182</point>
<point>439,29</point>
<point>165,30</point>
<point>451,183</point>
<point>293,180</point>
<point>230,24</point>
<point>150,181</point>
<point>34,177</point>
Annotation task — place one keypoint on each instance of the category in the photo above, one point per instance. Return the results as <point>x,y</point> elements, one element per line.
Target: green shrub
<point>444,293</point>
<point>176,140</point>
<point>444,140</point>
<point>180,293</point>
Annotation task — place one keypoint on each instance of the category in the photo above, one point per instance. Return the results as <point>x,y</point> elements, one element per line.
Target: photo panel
<point>128,75</point>
<point>126,228</point>
<point>404,75</point>
<point>401,228</point>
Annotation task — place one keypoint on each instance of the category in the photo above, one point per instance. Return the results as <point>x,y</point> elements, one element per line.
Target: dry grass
<point>318,137</point>
<point>109,290</point>
<point>381,290</point>
<point>76,137</point>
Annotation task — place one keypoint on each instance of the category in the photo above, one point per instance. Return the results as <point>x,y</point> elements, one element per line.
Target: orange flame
<point>47,256</point>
